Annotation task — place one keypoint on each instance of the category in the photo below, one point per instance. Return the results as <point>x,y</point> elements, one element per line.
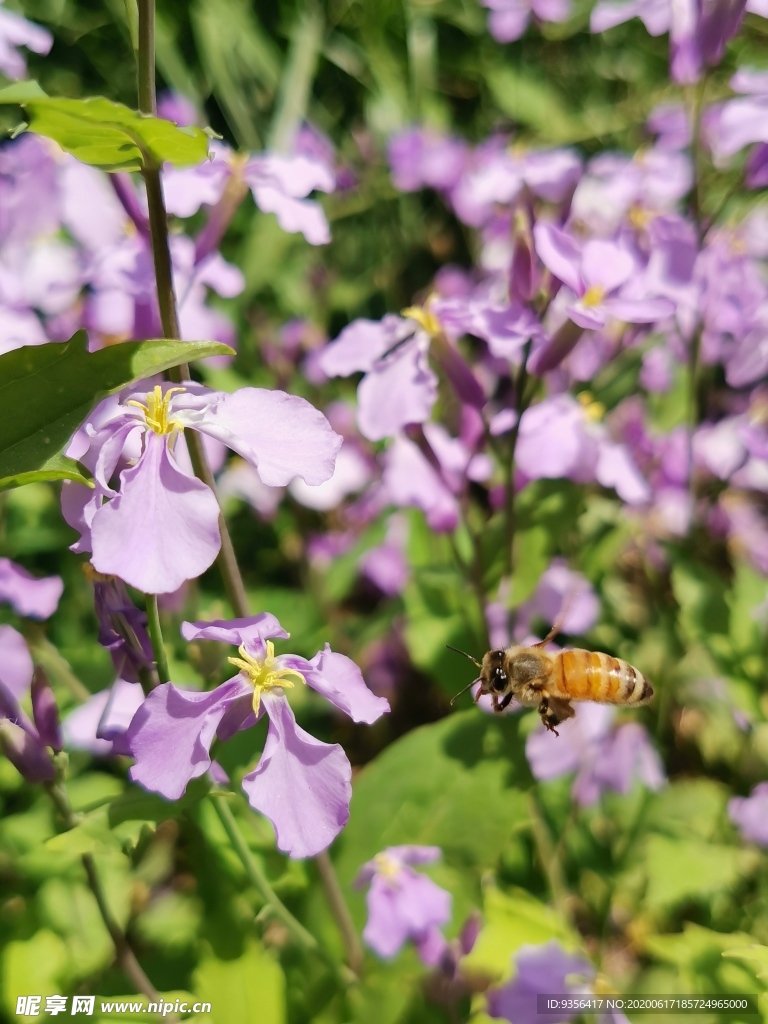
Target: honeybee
<point>550,682</point>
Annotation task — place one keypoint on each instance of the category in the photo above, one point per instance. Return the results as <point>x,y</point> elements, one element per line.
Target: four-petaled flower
<point>159,526</point>
<point>301,784</point>
<point>403,904</point>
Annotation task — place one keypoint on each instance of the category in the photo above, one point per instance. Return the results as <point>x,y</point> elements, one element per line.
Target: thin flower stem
<point>260,882</point>
<point>124,955</point>
<point>166,299</point>
<point>521,404</point>
<point>549,858</point>
<point>156,636</point>
<point>340,911</point>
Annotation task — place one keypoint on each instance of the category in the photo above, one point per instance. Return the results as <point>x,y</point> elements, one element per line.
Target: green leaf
<point>511,920</point>
<point>756,956</point>
<point>47,391</point>
<point>688,869</point>
<point>459,784</point>
<point>21,93</point>
<point>57,467</point>
<point>38,965</point>
<point>700,592</point>
<point>109,135</point>
<point>251,987</point>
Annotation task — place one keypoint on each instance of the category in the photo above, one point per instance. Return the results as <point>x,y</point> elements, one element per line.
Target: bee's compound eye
<point>499,681</point>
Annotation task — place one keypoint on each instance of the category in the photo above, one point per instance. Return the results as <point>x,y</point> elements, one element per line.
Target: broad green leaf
<point>756,956</point>
<point>47,391</point>
<point>459,784</point>
<point>69,908</point>
<point>700,592</point>
<point>249,988</point>
<point>511,920</point>
<point>109,135</point>
<point>38,965</point>
<point>680,870</point>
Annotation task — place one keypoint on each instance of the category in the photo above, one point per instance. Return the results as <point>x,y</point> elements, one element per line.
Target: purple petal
<point>45,711</point>
<point>16,668</point>
<point>639,311</point>
<point>560,253</point>
<point>235,631</point>
<point>281,435</point>
<point>36,598</point>
<point>171,734</point>
<point>400,390</point>
<point>26,753</point>
<point>162,529</point>
<point>617,469</point>
<point>750,814</point>
<point>509,23</point>
<point>340,681</point>
<point>295,216</point>
<point>361,343</point>
<point>302,785</point>
<point>605,264</point>
<point>385,930</point>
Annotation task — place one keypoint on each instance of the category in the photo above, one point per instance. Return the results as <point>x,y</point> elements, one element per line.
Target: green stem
<point>550,860</point>
<point>124,955</point>
<point>522,401</point>
<point>156,636</point>
<point>166,299</point>
<point>340,911</point>
<point>261,883</point>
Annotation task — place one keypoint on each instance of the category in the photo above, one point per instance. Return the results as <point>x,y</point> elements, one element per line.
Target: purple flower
<point>398,388</point>
<point>35,598</point>
<point>561,596</point>
<point>421,158</point>
<point>16,31</point>
<point>509,19</point>
<point>603,277</point>
<point>403,904</point>
<point>603,757</point>
<point>281,184</point>
<point>300,784</point>
<point>100,724</point>
<point>122,626</point>
<point>541,970</point>
<point>738,122</point>
<point>24,741</point>
<point>750,814</point>
<point>159,527</point>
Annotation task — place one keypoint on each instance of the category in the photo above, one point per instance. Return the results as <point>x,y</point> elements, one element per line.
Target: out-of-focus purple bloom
<point>577,447</point>
<point>402,904</point>
<point>24,741</point>
<point>497,175</point>
<point>351,473</point>
<point>173,106</point>
<point>27,595</point>
<point>16,31</point>
<point>398,388</point>
<point>386,565</point>
<point>160,526</point>
<point>300,784</point>
<point>541,970</point>
<point>603,276</point>
<point>603,757</point>
<point>422,158</point>
<point>509,19</point>
<point>562,596</point>
<point>100,724</point>
<point>281,184</point>
<point>750,814</point>
<point>739,122</point>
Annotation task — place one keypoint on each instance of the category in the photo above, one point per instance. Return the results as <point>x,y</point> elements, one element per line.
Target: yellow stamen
<point>424,317</point>
<point>639,217</point>
<point>386,865</point>
<point>594,295</point>
<point>157,410</point>
<point>261,673</point>
<point>593,411</point>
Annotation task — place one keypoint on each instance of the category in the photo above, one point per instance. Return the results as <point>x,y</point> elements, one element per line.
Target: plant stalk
<point>156,636</point>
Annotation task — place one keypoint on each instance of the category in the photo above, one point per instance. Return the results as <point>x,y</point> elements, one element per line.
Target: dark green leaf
<point>58,467</point>
<point>48,390</point>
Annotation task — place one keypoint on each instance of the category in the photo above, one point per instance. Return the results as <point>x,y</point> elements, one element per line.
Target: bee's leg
<point>548,716</point>
<point>505,701</point>
<point>495,702</point>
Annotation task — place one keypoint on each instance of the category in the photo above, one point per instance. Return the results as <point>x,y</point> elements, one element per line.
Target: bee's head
<point>493,675</point>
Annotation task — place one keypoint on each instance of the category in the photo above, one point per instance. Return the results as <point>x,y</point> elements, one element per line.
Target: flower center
<point>157,410</point>
<point>593,411</point>
<point>424,317</point>
<point>386,866</point>
<point>262,674</point>
<point>594,295</point>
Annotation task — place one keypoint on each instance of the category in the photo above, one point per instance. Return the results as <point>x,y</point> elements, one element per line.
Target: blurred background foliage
<point>655,887</point>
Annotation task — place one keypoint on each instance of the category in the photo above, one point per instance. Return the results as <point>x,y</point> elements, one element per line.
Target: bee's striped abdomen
<point>592,675</point>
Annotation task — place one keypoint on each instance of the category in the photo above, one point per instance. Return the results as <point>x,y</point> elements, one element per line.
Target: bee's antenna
<point>473,660</point>
<point>468,687</point>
